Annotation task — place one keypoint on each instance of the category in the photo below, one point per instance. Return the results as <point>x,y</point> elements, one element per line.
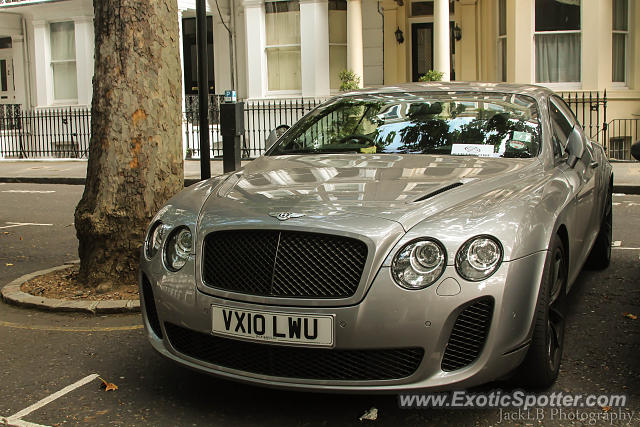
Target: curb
<point>64,180</point>
<point>12,294</point>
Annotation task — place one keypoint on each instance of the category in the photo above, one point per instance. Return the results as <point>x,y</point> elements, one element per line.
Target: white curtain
<point>619,54</point>
<point>283,48</point>
<point>558,58</point>
<point>63,61</point>
<point>337,46</point>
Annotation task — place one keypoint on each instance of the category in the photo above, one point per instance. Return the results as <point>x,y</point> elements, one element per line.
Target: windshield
<point>453,123</point>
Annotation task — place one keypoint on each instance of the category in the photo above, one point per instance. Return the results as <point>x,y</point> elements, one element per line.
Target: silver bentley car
<point>415,237</point>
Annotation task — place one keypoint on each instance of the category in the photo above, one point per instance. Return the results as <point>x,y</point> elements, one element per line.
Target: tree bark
<point>135,154</point>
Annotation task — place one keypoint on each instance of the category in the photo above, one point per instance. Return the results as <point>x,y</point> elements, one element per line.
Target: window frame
<point>625,83</point>
<point>52,62</point>
<point>278,92</point>
<point>557,85</point>
<point>501,58</point>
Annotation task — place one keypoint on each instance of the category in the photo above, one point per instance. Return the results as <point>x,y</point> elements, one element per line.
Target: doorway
<point>422,49</point>
<point>7,90</point>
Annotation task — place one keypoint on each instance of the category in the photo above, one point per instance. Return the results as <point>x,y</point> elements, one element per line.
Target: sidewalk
<point>626,175</point>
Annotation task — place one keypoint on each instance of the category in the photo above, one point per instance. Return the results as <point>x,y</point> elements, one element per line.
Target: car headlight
<point>178,248</point>
<point>479,258</point>
<point>153,242</point>
<point>419,263</point>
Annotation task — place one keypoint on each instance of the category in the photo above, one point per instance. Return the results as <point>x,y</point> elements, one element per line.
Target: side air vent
<point>468,335</point>
<point>438,191</point>
<point>150,306</point>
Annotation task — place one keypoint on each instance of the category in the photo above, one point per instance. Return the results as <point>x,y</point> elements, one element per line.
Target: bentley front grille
<point>468,335</point>
<point>283,263</point>
<point>295,362</point>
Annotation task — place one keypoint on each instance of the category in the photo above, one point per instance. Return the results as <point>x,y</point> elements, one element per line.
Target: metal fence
<point>65,132</point>
<point>260,118</point>
<point>620,134</point>
<point>51,132</point>
<point>590,109</point>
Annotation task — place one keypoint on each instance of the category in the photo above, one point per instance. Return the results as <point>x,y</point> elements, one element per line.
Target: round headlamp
<point>419,263</point>
<point>178,248</point>
<point>153,241</point>
<point>479,258</point>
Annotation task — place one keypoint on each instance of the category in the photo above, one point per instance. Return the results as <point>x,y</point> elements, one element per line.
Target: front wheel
<point>542,362</point>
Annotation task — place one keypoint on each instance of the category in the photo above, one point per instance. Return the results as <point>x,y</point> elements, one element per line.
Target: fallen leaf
<point>630,316</point>
<point>606,408</point>
<point>370,415</point>
<point>107,386</point>
<point>8,264</point>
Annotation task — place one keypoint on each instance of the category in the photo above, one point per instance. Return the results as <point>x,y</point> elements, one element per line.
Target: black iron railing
<point>260,118</point>
<point>590,108</point>
<point>191,126</point>
<point>51,132</point>
<point>620,134</point>
<point>65,132</point>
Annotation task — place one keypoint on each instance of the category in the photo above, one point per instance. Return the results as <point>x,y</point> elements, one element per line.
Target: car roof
<point>537,92</point>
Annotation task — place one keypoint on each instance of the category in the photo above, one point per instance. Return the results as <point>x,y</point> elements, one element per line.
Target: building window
<point>558,41</point>
<point>190,52</point>
<point>283,45</point>
<point>502,40</point>
<point>337,41</point>
<point>63,61</point>
<point>620,27</point>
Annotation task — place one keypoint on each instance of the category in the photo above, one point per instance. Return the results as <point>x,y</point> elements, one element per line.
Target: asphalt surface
<point>41,353</point>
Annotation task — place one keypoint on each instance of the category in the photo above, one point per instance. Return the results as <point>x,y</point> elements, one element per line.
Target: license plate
<point>277,327</point>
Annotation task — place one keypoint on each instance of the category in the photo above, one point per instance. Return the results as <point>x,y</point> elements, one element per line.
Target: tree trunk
<point>135,155</point>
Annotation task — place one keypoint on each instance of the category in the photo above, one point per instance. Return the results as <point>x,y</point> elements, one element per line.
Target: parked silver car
<point>421,236</point>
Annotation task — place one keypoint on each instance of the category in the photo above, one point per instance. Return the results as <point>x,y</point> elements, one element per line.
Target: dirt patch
<point>63,284</point>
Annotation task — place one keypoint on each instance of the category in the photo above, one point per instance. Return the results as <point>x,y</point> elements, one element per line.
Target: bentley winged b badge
<point>283,216</point>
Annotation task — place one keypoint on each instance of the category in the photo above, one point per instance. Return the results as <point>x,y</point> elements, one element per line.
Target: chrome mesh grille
<point>283,263</point>
<point>468,335</point>
<point>295,362</point>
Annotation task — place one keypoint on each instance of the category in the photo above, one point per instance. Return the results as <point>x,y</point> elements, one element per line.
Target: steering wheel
<point>358,137</point>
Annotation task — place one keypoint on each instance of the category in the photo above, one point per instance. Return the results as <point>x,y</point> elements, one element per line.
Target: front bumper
<point>388,317</point>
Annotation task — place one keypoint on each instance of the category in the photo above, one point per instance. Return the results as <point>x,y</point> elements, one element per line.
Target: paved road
<point>41,353</point>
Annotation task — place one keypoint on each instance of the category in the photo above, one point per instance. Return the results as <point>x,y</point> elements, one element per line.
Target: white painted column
<point>255,45</point>
<point>441,46</point>
<point>314,41</point>
<point>41,64</point>
<point>19,73</point>
<point>355,60</point>
<point>84,57</point>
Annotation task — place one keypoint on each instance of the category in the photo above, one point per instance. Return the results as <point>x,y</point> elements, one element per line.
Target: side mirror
<point>575,147</point>
<point>635,150</point>
<point>274,135</point>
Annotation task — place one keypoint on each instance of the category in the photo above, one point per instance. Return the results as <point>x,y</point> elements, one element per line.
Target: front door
<point>422,49</point>
<point>7,91</point>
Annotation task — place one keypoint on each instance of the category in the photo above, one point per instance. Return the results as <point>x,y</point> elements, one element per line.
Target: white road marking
<point>616,203</point>
<point>21,423</point>
<point>616,244</point>
<point>619,194</point>
<point>15,419</point>
<point>21,224</point>
<point>28,191</point>
<point>628,249</point>
<point>633,204</point>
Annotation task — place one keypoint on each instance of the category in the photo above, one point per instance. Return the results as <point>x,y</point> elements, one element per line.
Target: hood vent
<point>438,191</point>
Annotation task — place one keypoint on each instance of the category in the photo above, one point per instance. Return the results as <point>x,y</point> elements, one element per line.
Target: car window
<point>453,123</point>
<point>561,126</point>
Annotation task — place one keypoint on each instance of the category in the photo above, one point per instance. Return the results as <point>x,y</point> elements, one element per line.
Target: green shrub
<point>349,80</point>
<point>431,76</point>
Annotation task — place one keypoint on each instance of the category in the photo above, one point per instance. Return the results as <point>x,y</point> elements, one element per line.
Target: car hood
<point>395,187</point>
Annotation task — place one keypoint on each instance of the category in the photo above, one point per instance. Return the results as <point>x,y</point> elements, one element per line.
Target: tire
<point>541,365</point>
<point>600,255</point>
